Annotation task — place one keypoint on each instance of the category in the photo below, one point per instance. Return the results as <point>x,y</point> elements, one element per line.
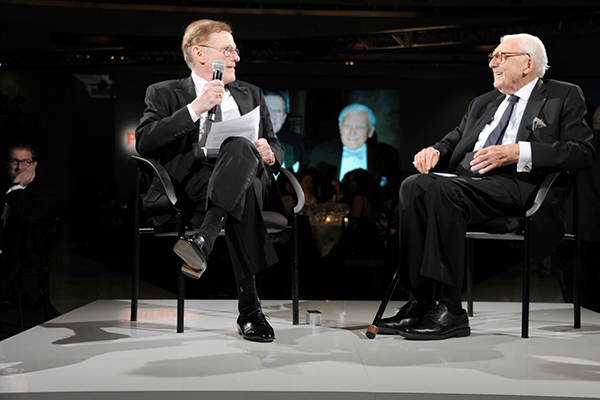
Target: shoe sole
<point>194,265</point>
<point>463,332</point>
<point>190,272</point>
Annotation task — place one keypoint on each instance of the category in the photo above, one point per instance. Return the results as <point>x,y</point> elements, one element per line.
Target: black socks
<point>247,294</point>
<point>451,298</point>
<point>214,220</point>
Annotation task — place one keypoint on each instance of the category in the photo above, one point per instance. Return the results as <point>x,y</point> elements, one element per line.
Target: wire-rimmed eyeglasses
<point>501,56</point>
<point>227,51</point>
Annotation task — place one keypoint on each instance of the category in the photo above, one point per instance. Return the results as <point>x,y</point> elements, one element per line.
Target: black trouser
<point>238,183</point>
<point>435,212</point>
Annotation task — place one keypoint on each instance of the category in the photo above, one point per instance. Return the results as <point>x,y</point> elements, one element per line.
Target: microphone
<point>218,68</point>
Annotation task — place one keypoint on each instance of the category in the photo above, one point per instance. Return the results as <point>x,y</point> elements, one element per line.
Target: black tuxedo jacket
<point>382,159</point>
<point>168,134</point>
<point>37,202</point>
<point>564,144</point>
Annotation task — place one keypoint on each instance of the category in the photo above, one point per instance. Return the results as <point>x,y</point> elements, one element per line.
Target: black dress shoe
<point>192,249</point>
<point>252,325</point>
<point>439,323</point>
<point>407,314</point>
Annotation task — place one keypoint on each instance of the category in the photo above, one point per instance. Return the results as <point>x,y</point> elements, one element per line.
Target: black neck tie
<point>496,135</point>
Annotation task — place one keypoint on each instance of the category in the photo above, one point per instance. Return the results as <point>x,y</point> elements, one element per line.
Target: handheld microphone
<point>218,68</point>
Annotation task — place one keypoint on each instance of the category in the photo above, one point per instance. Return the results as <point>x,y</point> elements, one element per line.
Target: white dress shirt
<point>510,134</point>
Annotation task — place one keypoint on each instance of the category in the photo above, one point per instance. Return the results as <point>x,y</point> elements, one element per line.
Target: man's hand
<point>493,157</point>
<point>426,159</point>
<point>210,96</point>
<point>25,177</point>
<point>265,151</point>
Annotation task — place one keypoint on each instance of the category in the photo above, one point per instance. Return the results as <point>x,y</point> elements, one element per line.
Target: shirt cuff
<point>192,113</point>
<point>17,186</point>
<point>525,162</point>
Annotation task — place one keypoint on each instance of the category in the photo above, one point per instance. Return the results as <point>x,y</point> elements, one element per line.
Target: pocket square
<point>538,123</point>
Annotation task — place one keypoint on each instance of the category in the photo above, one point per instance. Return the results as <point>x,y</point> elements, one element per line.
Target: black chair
<point>36,259</point>
<point>280,228</point>
<point>549,207</point>
<point>539,241</point>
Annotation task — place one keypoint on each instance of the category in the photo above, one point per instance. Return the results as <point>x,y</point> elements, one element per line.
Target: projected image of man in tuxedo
<point>537,127</point>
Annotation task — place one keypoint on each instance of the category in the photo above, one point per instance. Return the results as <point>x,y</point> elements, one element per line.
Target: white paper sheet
<point>245,126</point>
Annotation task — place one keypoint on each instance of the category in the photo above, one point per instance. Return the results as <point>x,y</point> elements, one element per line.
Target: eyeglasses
<point>501,56</point>
<point>227,51</point>
<point>26,162</point>
<point>360,128</point>
<point>277,111</point>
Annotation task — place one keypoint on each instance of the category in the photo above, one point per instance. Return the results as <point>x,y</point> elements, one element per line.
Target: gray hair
<point>356,107</point>
<point>533,46</point>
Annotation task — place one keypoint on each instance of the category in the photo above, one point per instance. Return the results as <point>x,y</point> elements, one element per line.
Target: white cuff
<point>525,162</point>
<point>192,113</point>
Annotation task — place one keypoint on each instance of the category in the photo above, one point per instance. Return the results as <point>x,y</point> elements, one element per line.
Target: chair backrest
<point>547,214</point>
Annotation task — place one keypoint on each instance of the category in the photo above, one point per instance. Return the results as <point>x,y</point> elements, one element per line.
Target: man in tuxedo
<point>357,148</point>
<point>279,108</point>
<point>228,191</point>
<point>26,200</point>
<point>507,142</point>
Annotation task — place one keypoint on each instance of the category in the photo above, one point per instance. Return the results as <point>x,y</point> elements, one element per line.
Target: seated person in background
<point>357,148</point>
<point>231,191</point>
<point>307,182</point>
<point>279,108</point>
<point>366,232</point>
<point>506,144</point>
<point>26,199</point>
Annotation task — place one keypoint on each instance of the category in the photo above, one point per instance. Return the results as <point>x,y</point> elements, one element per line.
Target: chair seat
<point>501,225</point>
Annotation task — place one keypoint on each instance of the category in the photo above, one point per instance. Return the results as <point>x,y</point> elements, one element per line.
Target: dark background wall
<point>432,53</point>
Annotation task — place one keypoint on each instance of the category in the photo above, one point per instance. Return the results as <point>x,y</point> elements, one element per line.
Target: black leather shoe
<point>407,314</point>
<point>192,249</point>
<point>439,323</point>
<point>252,325</point>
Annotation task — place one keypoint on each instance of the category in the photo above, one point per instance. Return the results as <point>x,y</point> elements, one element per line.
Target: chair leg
<point>180,277</point>
<point>135,283</point>
<point>469,259</point>
<point>576,277</point>
<point>180,297</point>
<point>526,284</point>
<point>295,289</point>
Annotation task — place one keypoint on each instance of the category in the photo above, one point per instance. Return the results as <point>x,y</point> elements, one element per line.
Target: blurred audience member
<point>307,182</point>
<point>27,199</point>
<point>366,232</point>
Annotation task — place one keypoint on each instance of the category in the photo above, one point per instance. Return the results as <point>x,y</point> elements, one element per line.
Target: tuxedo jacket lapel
<point>185,91</point>
<point>534,106</point>
<point>469,139</point>
<point>241,96</point>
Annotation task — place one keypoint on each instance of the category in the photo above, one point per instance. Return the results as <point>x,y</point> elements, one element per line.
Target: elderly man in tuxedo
<point>228,191</point>
<point>358,148</point>
<point>492,163</point>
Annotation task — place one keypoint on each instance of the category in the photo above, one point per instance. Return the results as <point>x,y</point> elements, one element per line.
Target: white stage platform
<point>96,353</point>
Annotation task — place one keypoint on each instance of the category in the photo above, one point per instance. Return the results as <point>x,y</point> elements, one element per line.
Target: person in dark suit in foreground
<point>507,142</point>
<point>27,199</point>
<point>227,192</point>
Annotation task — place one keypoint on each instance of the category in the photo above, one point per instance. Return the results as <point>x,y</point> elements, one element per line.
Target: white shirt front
<point>353,159</point>
<point>510,134</point>
<point>229,108</point>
